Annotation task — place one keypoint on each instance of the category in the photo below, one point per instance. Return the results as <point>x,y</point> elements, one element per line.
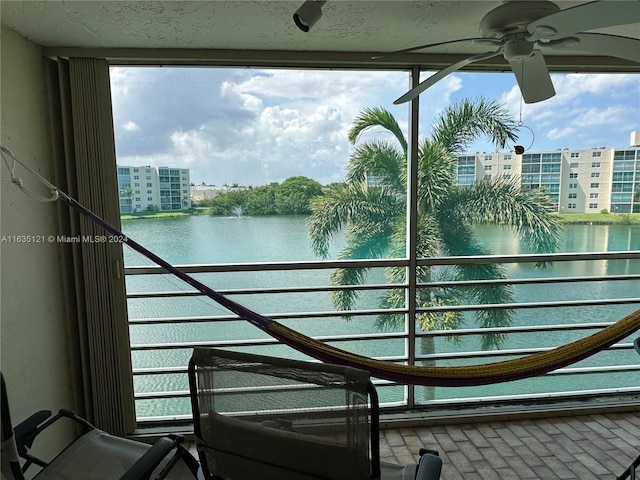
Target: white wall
<point>34,351</point>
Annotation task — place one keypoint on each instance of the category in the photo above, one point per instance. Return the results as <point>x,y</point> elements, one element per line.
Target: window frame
<point>288,60</point>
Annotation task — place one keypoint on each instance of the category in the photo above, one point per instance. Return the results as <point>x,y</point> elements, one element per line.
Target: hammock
<point>484,374</point>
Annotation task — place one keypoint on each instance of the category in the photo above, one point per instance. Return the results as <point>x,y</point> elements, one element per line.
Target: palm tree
<point>371,207</point>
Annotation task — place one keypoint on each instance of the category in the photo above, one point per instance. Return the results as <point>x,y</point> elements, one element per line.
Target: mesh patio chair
<point>94,455</point>
<point>279,419</point>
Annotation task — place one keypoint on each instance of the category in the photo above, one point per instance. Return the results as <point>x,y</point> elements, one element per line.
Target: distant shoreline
<point>566,219</point>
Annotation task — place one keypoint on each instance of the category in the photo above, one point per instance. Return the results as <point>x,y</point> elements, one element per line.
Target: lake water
<point>204,239</point>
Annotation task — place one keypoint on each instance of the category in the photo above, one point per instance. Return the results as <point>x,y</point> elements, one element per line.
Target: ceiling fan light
<point>308,14</point>
<point>517,49</point>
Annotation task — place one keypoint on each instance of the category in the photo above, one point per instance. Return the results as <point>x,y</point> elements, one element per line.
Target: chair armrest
<point>141,470</point>
<point>25,432</point>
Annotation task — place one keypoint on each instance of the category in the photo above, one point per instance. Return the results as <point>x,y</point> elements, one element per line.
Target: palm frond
<point>504,202</point>
<point>435,175</point>
<point>379,161</point>
<point>377,117</point>
<point>464,121</point>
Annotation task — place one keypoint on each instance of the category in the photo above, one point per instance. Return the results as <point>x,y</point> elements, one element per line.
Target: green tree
<point>223,203</point>
<point>370,206</point>
<point>261,200</point>
<point>294,195</point>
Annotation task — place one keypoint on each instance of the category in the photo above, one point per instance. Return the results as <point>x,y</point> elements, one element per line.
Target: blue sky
<point>254,127</point>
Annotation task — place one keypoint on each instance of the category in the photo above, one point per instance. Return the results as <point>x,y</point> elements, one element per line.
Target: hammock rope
<point>483,374</point>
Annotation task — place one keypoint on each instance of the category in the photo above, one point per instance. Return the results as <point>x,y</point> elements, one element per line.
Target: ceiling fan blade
<point>533,78</point>
<point>436,77</point>
<point>495,41</point>
<point>601,44</point>
<point>585,17</point>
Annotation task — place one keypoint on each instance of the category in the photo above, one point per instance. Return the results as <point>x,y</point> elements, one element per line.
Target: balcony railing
<point>572,296</point>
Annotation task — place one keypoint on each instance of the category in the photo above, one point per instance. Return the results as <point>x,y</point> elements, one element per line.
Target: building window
<point>594,195</point>
<point>573,175</point>
<point>575,154</point>
<point>595,175</point>
<point>571,205</point>
<point>149,185</point>
<point>573,185</point>
<point>573,195</point>
<point>487,167</point>
<point>574,165</point>
<point>596,154</point>
<point>150,199</point>
<point>593,205</point>
<point>507,167</point>
<point>488,158</point>
<point>507,156</point>
<point>506,176</point>
<point>595,185</point>
<point>595,164</point>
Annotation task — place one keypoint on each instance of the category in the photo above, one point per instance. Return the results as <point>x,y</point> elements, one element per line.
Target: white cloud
<point>587,110</point>
<point>131,126</point>
<point>259,126</point>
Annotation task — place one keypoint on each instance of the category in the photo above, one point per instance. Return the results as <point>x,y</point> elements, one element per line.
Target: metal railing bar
<point>256,342</point>
<point>269,266</point>
<point>274,316</point>
<point>260,291</point>
<point>397,262</point>
<point>527,305</point>
<point>527,281</point>
<point>182,370</point>
<point>515,352</point>
<point>159,395</point>
<point>515,329</point>
<point>530,258</point>
<point>530,396</point>
<point>376,287</point>
<point>595,370</point>
<point>266,341</point>
<point>159,370</point>
<point>429,333</point>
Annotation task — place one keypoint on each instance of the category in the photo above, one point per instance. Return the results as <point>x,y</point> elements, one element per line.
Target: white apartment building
<point>578,181</point>
<point>153,189</point>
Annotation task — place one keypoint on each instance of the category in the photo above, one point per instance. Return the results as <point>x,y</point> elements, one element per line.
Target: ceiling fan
<point>519,29</point>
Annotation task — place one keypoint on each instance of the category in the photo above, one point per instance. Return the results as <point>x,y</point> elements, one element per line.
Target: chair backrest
<point>286,419</point>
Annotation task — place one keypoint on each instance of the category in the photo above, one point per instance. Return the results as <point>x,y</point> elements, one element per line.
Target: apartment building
<point>153,189</point>
<point>578,181</point>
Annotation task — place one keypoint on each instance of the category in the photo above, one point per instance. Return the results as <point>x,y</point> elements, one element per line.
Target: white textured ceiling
<point>346,26</point>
